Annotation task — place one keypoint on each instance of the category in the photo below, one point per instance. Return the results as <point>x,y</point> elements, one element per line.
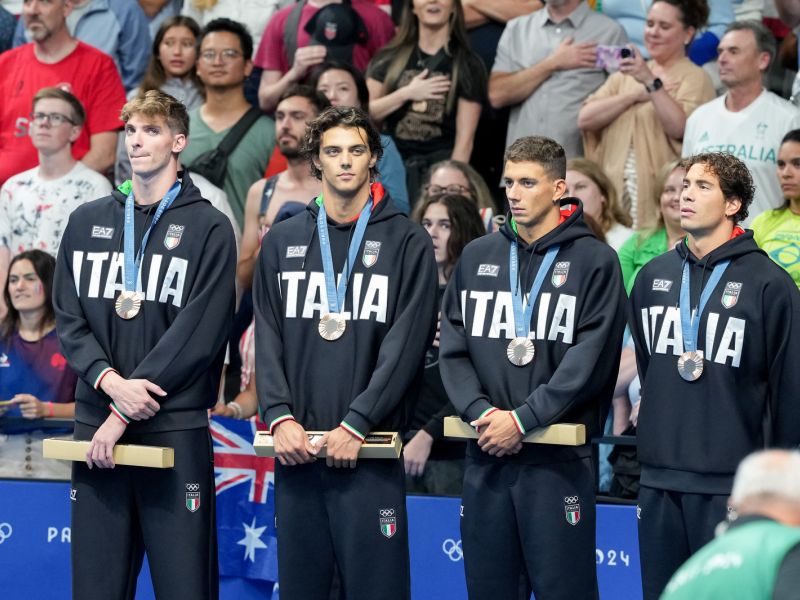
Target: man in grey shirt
<point>545,68</point>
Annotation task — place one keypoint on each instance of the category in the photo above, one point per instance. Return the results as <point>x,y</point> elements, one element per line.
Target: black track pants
<point>352,518</point>
<point>118,514</point>
<point>529,522</point>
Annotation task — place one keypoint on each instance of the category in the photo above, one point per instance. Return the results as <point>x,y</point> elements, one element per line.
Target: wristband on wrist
<point>236,408</point>
<point>50,410</point>
<point>119,414</point>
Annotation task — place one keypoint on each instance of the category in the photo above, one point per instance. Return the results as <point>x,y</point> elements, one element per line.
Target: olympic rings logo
<point>5,532</point>
<point>192,487</point>
<point>386,512</point>
<point>452,549</point>
<point>570,499</point>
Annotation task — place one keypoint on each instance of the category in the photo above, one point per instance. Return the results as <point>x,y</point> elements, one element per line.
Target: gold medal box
<point>562,434</point>
<point>124,454</point>
<point>379,444</point>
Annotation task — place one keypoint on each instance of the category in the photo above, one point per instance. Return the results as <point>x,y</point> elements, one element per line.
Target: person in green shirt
<point>777,231</point>
<point>758,556</point>
<point>645,245</point>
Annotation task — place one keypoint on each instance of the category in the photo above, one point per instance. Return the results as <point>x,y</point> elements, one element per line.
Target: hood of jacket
<point>189,194</point>
<point>570,228</point>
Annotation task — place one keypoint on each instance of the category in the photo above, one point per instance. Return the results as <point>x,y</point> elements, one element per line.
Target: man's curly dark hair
<point>340,116</point>
<point>734,178</point>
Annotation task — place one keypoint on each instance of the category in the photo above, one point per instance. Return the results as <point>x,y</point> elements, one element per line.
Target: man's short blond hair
<point>155,103</point>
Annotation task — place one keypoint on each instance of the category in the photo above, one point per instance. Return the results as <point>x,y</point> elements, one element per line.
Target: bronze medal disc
<point>128,304</point>
<point>520,351</point>
<point>332,326</point>
<point>419,106</point>
<point>690,365</point>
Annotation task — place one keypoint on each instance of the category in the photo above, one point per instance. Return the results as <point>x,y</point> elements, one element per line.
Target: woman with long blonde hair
<point>588,182</point>
<point>663,232</point>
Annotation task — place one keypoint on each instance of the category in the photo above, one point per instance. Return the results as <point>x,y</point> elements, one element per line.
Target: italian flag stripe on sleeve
<point>102,374</point>
<point>278,421</point>
<point>352,431</point>
<point>517,422</point>
<point>119,414</point>
<point>488,411</point>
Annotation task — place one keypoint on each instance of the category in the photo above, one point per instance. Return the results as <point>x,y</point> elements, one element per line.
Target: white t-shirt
<point>753,135</point>
<point>34,211</point>
<point>618,235</point>
<point>219,200</point>
<point>255,14</point>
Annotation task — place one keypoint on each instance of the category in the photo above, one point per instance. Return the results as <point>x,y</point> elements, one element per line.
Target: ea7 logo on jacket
<point>661,326</point>
<point>662,285</point>
<point>106,276</point>
<point>496,310</point>
<point>103,233</point>
<point>488,270</point>
<point>304,296</point>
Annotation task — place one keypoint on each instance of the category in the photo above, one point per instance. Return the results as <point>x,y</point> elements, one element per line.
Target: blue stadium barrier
<point>35,538</point>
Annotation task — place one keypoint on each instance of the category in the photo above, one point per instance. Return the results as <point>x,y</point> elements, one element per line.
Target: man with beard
<point>296,185</point>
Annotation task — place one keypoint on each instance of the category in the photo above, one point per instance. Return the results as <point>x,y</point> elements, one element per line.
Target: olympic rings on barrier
<point>5,531</point>
<point>452,549</point>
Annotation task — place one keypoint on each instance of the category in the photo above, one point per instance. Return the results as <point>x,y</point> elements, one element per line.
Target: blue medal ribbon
<point>690,324</point>
<point>522,318</point>
<point>336,294</point>
<point>132,262</point>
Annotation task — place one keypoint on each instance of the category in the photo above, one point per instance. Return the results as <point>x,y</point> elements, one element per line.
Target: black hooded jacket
<point>576,328</point>
<point>363,380</point>
<point>178,339</point>
<point>692,435</point>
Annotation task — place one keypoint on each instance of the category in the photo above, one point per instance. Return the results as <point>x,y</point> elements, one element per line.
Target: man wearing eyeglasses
<point>26,221</point>
<point>55,58</point>
<point>223,65</point>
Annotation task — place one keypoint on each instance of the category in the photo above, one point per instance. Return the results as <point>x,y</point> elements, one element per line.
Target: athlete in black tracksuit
<point>692,435</point>
<point>533,512</point>
<point>353,518</point>
<point>178,342</point>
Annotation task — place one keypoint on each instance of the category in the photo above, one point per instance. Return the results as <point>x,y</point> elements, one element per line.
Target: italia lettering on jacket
<point>164,285</point>
<point>306,297</point>
<point>722,343</point>
<point>491,315</point>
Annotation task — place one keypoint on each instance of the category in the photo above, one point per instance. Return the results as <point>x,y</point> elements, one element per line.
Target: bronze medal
<point>520,351</point>
<point>128,304</point>
<point>332,326</point>
<point>420,106</point>
<point>690,365</point>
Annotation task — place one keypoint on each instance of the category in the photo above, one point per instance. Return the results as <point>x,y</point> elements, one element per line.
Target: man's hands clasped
<point>498,434</point>
<point>292,446</point>
<point>133,398</point>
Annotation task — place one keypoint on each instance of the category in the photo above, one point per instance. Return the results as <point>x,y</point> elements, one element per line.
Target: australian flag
<point>245,485</point>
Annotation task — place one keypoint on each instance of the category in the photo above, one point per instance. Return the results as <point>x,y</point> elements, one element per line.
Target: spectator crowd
<point>627,88</point>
